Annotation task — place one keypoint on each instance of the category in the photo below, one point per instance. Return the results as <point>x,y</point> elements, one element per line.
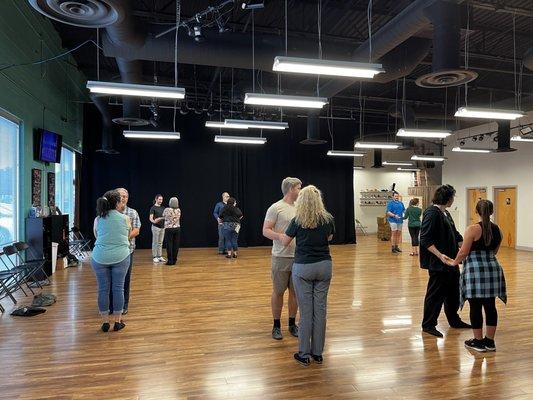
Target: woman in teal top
<point>111,256</point>
<point>413,214</point>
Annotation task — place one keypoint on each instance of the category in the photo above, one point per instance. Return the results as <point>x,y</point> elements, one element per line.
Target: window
<point>9,150</point>
<point>65,184</point>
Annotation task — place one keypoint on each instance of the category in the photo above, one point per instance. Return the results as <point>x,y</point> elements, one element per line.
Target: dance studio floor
<point>201,330</point>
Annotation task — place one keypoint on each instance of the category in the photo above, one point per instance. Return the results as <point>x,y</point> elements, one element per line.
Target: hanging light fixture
<point>223,125</point>
<point>461,149</point>
<point>279,100</point>
<point>408,169</point>
<point>423,133</point>
<point>398,163</point>
<point>428,158</point>
<point>377,145</point>
<point>151,135</point>
<point>130,89</point>
<point>240,139</point>
<point>326,67</point>
<point>521,139</point>
<point>343,153</point>
<point>488,113</point>
<point>252,124</point>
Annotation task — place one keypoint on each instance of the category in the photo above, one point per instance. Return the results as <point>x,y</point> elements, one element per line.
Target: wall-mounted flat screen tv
<point>48,146</point>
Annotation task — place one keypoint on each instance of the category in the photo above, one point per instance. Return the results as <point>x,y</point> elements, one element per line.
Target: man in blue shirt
<point>216,213</point>
<point>395,210</point>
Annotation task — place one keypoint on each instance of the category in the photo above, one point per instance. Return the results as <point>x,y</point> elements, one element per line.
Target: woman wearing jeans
<point>111,256</point>
<point>158,228</point>
<point>313,227</point>
<point>231,222</point>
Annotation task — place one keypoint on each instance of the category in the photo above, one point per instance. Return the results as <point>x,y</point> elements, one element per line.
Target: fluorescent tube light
<point>222,125</point>
<point>326,67</point>
<point>377,145</point>
<point>278,100</point>
<point>251,124</point>
<point>521,139</point>
<point>458,149</point>
<point>240,139</point>
<point>428,158</point>
<point>342,153</point>
<point>488,113</point>
<point>358,167</point>
<point>398,163</point>
<point>129,89</point>
<point>408,169</point>
<point>151,135</point>
<point>423,133</point>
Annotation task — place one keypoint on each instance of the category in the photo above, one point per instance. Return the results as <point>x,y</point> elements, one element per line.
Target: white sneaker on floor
<point>156,259</point>
<point>162,259</point>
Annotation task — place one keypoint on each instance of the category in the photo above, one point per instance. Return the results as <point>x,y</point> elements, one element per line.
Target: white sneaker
<point>156,259</point>
<point>161,259</point>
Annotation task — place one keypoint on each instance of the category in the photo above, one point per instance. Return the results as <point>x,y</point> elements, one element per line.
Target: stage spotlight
<point>197,33</point>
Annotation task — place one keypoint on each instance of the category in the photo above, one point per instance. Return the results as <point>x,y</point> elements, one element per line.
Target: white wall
<point>469,170</point>
<point>378,179</point>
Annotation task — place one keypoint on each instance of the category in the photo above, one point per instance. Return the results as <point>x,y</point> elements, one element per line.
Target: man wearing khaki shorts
<point>277,220</point>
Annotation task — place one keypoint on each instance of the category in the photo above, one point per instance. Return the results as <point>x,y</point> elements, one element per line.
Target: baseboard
<point>524,248</point>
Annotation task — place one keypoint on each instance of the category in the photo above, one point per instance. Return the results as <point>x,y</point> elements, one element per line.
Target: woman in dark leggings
<point>482,279</point>
<point>413,214</point>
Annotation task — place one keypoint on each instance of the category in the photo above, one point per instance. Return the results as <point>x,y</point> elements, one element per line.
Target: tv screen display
<point>50,147</point>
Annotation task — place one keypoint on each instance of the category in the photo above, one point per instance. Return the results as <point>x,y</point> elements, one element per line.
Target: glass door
<point>66,184</point>
<point>9,171</point>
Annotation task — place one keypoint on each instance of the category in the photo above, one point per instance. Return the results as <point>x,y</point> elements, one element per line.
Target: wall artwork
<point>51,188</point>
<point>36,184</point>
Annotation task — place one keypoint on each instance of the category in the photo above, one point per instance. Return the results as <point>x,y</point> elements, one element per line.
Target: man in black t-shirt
<point>158,229</point>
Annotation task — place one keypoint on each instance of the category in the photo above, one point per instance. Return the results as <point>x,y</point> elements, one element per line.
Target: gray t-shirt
<point>281,213</point>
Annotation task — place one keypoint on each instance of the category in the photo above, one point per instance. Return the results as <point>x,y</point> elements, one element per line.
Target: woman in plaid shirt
<point>482,279</point>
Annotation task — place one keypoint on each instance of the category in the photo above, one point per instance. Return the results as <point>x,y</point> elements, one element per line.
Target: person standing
<point>135,222</point>
<point>158,229</point>
<point>278,217</point>
<point>313,227</point>
<point>395,210</point>
<point>482,279</point>
<point>172,215</point>
<point>231,217</point>
<point>216,213</point>
<point>413,215</point>
<point>111,257</point>
<point>439,244</point>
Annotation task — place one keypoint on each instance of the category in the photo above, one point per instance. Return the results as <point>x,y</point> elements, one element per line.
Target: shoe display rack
<point>375,198</point>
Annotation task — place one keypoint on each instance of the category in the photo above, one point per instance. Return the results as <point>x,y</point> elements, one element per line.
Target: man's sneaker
<point>276,333</point>
<point>432,331</point>
<point>302,360</point>
<point>475,344</point>
<point>398,250</point>
<point>162,259</point>
<point>318,359</point>
<point>460,325</point>
<point>490,345</point>
<point>293,329</point>
<point>156,259</point>
<point>394,250</point>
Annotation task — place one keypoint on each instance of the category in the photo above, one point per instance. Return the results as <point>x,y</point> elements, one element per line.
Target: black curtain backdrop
<point>196,170</point>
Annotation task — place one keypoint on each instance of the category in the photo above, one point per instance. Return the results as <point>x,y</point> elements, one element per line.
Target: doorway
<point>473,195</point>
<point>505,214</point>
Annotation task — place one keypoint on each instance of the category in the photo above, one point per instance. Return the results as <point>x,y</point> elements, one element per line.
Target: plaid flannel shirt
<point>135,223</point>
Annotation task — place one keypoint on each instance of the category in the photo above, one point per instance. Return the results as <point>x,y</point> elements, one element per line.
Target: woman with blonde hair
<point>313,227</point>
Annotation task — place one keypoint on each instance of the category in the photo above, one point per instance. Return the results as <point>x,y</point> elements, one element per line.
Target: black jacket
<point>438,229</point>
<point>230,214</point>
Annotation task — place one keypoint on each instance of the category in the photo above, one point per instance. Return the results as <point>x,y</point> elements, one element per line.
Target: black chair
<point>10,282</point>
<point>29,257</point>
<point>25,271</point>
<point>78,244</point>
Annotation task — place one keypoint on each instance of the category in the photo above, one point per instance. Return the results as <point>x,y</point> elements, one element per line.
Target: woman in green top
<point>413,214</point>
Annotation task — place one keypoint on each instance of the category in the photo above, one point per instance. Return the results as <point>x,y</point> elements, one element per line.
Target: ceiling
<point>492,45</point>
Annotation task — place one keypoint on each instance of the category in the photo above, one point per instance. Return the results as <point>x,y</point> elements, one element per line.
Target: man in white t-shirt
<point>277,219</point>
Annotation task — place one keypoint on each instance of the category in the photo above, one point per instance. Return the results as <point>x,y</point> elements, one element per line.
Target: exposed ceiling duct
<point>378,158</point>
<point>107,127</point>
<point>504,137</point>
<point>313,130</point>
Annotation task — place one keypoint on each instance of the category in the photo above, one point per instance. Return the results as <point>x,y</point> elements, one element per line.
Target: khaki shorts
<point>281,274</point>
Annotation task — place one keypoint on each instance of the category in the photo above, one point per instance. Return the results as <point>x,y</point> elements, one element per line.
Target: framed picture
<point>51,188</point>
<point>36,184</point>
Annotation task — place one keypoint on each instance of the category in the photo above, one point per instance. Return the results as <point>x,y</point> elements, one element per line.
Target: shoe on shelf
<point>156,260</point>
<point>317,359</point>
<point>118,326</point>
<point>475,344</point>
<point>460,325</point>
<point>489,344</point>
<point>432,331</point>
<point>302,360</point>
<point>276,333</point>
<point>293,330</point>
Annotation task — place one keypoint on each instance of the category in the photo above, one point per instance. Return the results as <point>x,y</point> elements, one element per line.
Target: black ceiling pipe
<point>107,126</point>
<point>504,137</point>
<point>313,130</point>
<point>378,158</point>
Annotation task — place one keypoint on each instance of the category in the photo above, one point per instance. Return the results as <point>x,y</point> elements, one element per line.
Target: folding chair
<point>78,244</point>
<point>10,281</point>
<point>25,270</point>
<point>23,251</point>
<point>359,225</point>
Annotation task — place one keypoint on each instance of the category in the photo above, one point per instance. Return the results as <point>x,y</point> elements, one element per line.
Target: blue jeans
<point>221,239</point>
<point>230,237</point>
<point>127,281</point>
<point>105,274</point>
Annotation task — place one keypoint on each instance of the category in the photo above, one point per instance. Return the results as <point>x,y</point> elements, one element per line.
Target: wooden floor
<point>202,330</point>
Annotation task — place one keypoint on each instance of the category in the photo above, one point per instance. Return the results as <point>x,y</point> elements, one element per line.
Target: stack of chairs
<point>79,246</point>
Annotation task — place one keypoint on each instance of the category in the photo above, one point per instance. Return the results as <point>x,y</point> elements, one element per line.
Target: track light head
<point>480,138</point>
<point>462,142</point>
<point>197,33</point>
<point>253,5</point>
<point>474,139</point>
<point>184,110</point>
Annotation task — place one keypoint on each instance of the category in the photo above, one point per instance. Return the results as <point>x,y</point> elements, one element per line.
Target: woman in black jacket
<point>439,244</point>
<point>231,217</point>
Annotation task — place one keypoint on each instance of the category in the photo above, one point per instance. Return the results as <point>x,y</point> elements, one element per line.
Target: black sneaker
<point>432,331</point>
<point>475,344</point>
<point>398,250</point>
<point>460,325</point>
<point>118,326</point>
<point>302,360</point>
<point>276,333</point>
<point>318,359</point>
<point>394,250</point>
<point>105,327</point>
<point>293,330</point>
<point>490,345</point>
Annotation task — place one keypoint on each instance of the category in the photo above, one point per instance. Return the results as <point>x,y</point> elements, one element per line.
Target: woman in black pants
<point>482,279</point>
<point>413,214</point>
<point>172,215</point>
